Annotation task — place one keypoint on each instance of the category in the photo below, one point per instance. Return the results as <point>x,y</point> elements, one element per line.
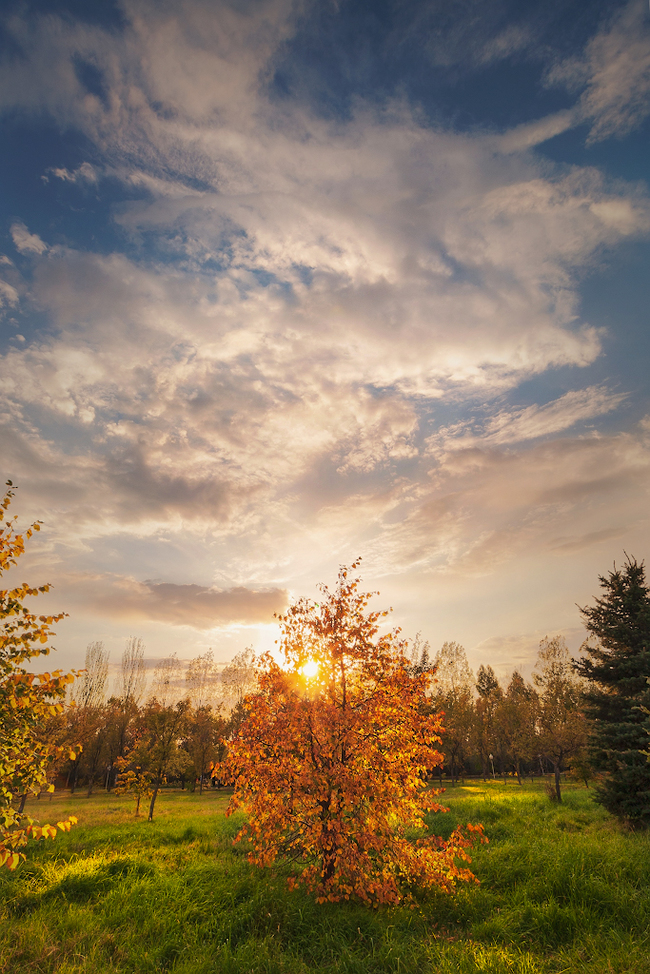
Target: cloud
<point>613,74</point>
<point>530,422</point>
<point>197,606</point>
<point>8,294</point>
<point>303,302</point>
<point>84,173</point>
<point>490,505</point>
<point>26,242</point>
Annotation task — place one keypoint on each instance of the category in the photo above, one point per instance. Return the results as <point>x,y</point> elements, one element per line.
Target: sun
<point>310,669</point>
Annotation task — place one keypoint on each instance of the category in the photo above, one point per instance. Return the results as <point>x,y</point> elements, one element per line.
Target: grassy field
<point>563,888</point>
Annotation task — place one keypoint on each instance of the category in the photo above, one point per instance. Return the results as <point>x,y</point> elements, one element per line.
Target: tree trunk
<point>557,782</point>
<point>154,796</point>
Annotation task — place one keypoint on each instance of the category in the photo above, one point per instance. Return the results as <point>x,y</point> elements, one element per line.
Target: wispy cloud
<point>612,74</point>
<point>529,422</point>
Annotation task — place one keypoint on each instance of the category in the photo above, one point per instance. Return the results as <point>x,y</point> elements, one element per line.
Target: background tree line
<point>179,730</point>
<point>133,741</point>
<point>590,715</point>
<point>516,728</point>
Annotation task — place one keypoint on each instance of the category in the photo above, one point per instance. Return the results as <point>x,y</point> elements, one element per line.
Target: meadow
<point>563,888</point>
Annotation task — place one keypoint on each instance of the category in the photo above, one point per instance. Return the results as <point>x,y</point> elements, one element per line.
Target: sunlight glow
<point>310,669</point>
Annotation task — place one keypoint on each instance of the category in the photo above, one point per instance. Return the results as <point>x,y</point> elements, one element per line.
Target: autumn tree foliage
<point>333,753</point>
<point>27,700</point>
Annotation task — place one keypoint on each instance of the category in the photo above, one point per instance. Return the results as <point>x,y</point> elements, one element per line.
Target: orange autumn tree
<point>332,756</point>
<point>27,700</point>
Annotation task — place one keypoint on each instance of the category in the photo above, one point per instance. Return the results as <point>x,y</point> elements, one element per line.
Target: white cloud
<point>268,381</point>
<point>613,74</point>
<point>26,242</point>
<point>8,294</point>
<point>530,422</point>
<point>84,173</point>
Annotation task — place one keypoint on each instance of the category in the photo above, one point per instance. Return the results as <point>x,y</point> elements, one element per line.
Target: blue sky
<point>283,284</point>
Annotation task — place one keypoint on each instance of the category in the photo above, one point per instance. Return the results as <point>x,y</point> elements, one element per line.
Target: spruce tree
<point>618,669</point>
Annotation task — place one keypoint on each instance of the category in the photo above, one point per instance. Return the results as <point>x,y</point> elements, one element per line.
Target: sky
<point>284,284</point>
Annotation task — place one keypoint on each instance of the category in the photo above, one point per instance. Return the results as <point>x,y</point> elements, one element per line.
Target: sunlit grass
<point>563,888</point>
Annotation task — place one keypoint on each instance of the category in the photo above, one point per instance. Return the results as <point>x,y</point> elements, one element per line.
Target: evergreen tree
<point>617,669</point>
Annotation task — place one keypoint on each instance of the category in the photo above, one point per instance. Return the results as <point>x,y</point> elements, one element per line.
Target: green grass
<point>563,889</point>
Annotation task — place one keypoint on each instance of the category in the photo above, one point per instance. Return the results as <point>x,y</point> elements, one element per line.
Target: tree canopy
<point>333,753</point>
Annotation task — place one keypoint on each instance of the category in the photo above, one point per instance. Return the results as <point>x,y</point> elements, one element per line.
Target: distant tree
<point>202,681</point>
<point>485,725</point>
<point>204,735</point>
<point>331,756</point>
<point>239,677</point>
<point>561,722</point>
<point>123,713</point>
<point>27,700</point>
<point>516,716</point>
<point>453,697</point>
<point>133,777</point>
<point>617,698</point>
<point>420,655</point>
<point>452,670</point>
<point>164,726</point>
<point>87,717</point>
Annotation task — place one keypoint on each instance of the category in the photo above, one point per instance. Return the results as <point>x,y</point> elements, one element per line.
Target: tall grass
<point>562,888</point>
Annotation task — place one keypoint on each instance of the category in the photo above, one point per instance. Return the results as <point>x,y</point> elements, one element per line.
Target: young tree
<point>26,701</point>
<point>133,777</point>
<point>332,755</point>
<point>561,720</point>
<point>164,724</point>
<point>617,669</point>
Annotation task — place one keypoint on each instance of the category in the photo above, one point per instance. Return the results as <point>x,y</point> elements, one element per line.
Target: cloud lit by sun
<point>274,313</point>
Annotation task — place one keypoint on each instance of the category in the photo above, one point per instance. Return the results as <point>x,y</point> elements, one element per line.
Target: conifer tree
<point>617,669</point>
